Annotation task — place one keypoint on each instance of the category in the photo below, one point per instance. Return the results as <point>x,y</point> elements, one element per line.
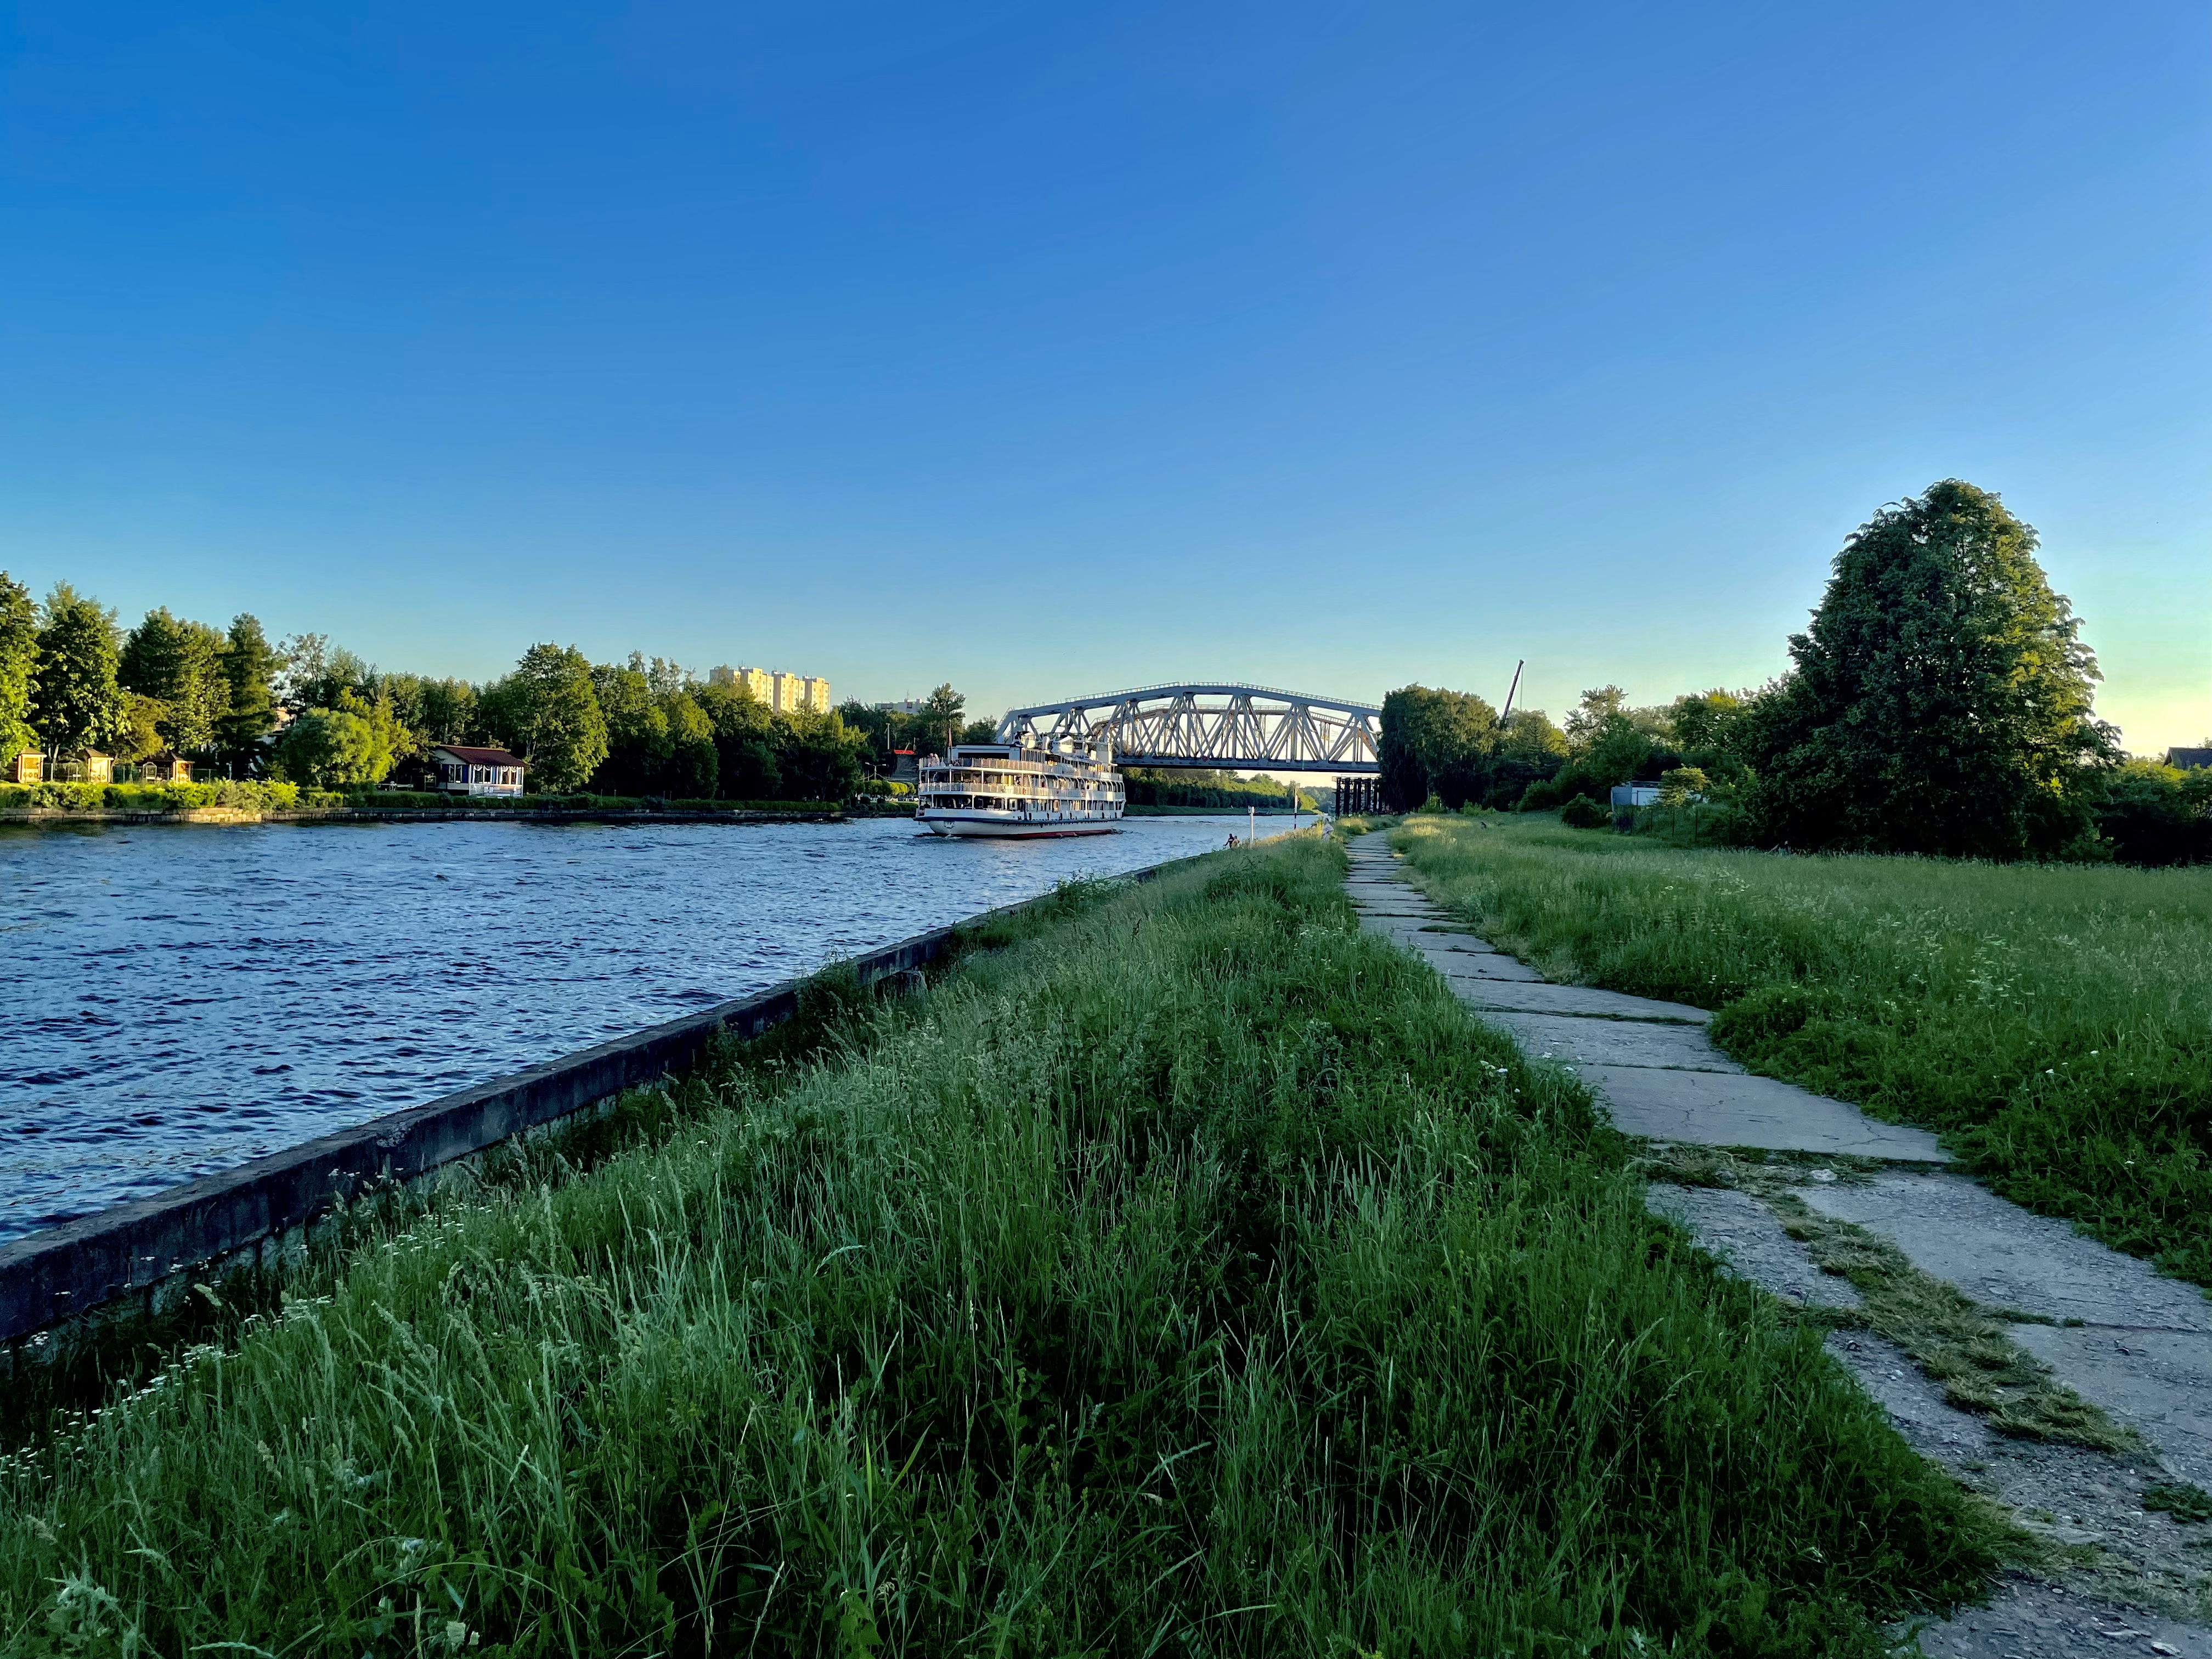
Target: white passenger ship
<point>1008,789</point>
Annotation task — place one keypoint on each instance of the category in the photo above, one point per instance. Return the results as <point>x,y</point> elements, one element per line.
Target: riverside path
<point>2115,1576</point>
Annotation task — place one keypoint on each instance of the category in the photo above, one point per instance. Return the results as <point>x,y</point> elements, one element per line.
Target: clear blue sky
<point>1051,349</point>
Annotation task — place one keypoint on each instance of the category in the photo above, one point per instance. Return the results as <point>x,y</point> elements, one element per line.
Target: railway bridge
<point>1220,724</point>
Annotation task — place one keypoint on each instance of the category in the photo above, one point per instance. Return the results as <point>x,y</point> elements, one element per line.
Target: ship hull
<point>958,824</point>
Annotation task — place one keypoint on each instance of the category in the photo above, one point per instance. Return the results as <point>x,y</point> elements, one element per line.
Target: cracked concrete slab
<point>2004,1256</point>
<point>1546,999</point>
<point>2157,1383</point>
<point>1748,1237</point>
<point>1715,1109</point>
<point>1614,1041</point>
<point>1456,965</point>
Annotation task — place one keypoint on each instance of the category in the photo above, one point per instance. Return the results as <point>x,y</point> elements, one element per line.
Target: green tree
<point>1941,700</point>
<point>1530,749</point>
<point>818,758</point>
<point>1434,742</point>
<point>19,661</point>
<point>746,764</point>
<point>562,733</point>
<point>448,710</point>
<point>179,664</point>
<point>874,728</point>
<point>301,682</point>
<point>357,742</point>
<point>694,765</point>
<point>250,667</point>
<point>1588,723</point>
<point>140,736</point>
<point>2158,815</point>
<point>638,744</point>
<point>77,705</point>
<point>1707,721</point>
<point>941,716</point>
<point>324,748</point>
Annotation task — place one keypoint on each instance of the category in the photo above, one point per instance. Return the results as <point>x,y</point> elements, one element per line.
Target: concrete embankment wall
<point>140,1258</point>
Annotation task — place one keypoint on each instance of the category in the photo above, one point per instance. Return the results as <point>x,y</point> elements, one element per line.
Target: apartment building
<point>783,693</point>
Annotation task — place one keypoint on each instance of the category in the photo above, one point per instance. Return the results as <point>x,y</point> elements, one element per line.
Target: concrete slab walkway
<point>2136,1346</point>
<point>1660,1079</point>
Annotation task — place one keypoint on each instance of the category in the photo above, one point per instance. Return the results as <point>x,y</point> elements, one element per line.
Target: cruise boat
<point>1010,790</point>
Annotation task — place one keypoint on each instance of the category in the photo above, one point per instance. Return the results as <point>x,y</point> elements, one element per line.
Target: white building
<point>461,770</point>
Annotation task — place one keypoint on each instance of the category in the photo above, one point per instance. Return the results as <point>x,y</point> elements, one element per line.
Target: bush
<point>148,797</point>
<point>1583,813</point>
<point>2157,815</point>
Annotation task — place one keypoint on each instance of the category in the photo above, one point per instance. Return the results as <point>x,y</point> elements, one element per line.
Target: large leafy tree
<point>747,765</point>
<point>556,714</point>
<point>178,665</point>
<point>19,659</point>
<point>250,666</point>
<point>77,705</point>
<point>638,742</point>
<point>358,741</point>
<point>819,759</point>
<point>1435,741</point>
<point>1941,699</point>
<point>693,764</point>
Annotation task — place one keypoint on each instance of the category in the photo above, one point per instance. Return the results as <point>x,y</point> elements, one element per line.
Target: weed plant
<point>1193,1275</point>
<point>2052,1021</point>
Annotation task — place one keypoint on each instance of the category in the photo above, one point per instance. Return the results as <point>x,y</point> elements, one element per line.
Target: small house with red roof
<point>461,770</point>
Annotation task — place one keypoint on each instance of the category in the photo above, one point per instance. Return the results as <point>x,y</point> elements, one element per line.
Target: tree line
<point>1941,703</point>
<point>73,681</point>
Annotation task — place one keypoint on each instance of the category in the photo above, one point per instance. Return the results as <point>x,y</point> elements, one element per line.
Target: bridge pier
<point>1358,795</point>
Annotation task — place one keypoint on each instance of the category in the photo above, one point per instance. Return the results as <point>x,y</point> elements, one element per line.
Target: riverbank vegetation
<point>1940,704</point>
<point>1193,1274</point>
<point>309,714</point>
<point>1199,789</point>
<point>276,796</point>
<point>2050,1020</point>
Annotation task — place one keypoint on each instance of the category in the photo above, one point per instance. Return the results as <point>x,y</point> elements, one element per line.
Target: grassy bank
<point>1193,1275</point>
<point>2053,1021</point>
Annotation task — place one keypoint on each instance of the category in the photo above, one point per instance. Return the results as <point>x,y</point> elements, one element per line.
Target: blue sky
<point>1052,349</point>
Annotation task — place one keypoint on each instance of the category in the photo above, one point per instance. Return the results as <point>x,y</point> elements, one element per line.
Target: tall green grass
<point>1191,1276</point>
<point>2054,1022</point>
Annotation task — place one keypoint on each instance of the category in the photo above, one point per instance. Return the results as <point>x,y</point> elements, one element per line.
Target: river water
<point>178,1001</point>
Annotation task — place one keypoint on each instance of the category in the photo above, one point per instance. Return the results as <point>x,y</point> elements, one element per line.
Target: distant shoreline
<point>64,817</point>
<point>61,816</point>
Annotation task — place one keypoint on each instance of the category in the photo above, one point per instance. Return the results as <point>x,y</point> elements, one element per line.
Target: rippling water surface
<point>180,1000</point>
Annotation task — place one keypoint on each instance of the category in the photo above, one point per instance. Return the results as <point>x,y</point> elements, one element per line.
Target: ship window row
<point>984,803</point>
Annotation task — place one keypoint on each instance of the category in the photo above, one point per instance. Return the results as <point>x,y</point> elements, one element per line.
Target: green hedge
<point>160,797</point>
<point>272,797</point>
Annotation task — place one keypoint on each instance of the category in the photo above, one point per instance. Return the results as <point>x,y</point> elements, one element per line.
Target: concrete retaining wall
<point>144,1255</point>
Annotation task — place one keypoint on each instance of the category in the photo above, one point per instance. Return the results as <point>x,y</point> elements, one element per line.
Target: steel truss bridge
<point>1229,726</point>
